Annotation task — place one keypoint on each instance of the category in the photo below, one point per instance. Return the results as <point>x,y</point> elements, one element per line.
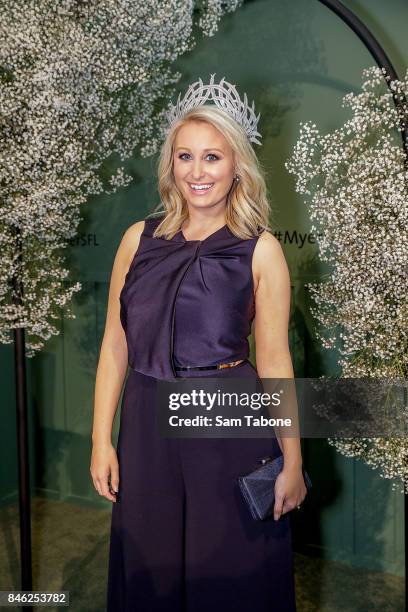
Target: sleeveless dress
<point>182,538</point>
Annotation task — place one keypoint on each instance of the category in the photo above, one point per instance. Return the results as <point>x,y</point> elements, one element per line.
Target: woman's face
<point>203,164</point>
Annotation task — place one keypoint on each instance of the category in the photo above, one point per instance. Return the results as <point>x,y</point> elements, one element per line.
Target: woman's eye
<point>212,155</point>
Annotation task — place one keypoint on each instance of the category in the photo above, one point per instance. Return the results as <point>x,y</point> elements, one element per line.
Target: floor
<point>76,561</point>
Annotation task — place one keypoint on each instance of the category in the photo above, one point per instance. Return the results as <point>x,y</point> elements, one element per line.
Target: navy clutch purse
<point>258,487</point>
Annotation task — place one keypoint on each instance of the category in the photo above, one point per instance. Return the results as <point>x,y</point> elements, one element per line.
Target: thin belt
<point>219,366</point>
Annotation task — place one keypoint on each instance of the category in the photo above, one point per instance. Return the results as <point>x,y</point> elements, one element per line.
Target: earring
<point>237,179</point>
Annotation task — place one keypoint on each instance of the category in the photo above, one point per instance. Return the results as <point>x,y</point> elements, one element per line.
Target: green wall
<point>297,60</point>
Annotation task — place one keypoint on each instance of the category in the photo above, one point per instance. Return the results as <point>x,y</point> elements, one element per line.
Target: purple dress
<point>182,538</point>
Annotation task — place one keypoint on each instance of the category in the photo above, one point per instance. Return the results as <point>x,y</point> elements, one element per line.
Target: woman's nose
<point>197,171</point>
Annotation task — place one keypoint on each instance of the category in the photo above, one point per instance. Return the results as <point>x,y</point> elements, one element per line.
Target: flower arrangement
<point>355,180</point>
<point>81,81</point>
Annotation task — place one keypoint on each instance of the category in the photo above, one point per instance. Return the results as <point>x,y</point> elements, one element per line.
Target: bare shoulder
<point>267,245</point>
<point>268,258</point>
<point>267,250</point>
<point>130,240</point>
<point>127,249</point>
<point>133,232</point>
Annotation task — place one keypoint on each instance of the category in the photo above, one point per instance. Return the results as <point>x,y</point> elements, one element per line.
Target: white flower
<point>356,183</point>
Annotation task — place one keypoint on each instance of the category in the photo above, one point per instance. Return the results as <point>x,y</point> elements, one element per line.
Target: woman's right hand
<point>104,464</point>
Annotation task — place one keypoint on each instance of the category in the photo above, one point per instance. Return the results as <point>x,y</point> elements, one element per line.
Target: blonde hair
<point>247,209</point>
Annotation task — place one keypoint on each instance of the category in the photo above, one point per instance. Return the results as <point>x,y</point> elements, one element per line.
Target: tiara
<point>226,97</point>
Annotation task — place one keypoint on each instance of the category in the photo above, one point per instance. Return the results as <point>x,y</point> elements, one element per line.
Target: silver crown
<point>226,97</point>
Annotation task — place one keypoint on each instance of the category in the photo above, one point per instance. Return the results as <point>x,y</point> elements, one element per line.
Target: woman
<point>185,288</point>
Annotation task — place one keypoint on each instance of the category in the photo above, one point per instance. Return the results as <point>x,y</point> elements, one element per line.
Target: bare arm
<point>111,370</point>
<point>273,359</point>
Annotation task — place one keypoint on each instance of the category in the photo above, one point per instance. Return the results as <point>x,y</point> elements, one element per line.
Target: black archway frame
<point>19,333</point>
<point>373,46</point>
<point>382,61</point>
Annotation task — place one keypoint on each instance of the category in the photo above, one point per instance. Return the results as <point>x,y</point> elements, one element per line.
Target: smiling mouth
<point>200,188</point>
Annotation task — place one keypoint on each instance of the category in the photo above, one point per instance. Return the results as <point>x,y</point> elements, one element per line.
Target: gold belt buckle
<point>231,364</point>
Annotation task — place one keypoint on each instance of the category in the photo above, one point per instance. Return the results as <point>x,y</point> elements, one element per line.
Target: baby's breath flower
<point>356,182</point>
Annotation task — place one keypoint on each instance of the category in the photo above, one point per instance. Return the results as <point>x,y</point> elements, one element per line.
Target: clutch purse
<point>258,487</point>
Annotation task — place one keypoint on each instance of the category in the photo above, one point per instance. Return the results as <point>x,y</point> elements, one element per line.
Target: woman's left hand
<point>290,490</point>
